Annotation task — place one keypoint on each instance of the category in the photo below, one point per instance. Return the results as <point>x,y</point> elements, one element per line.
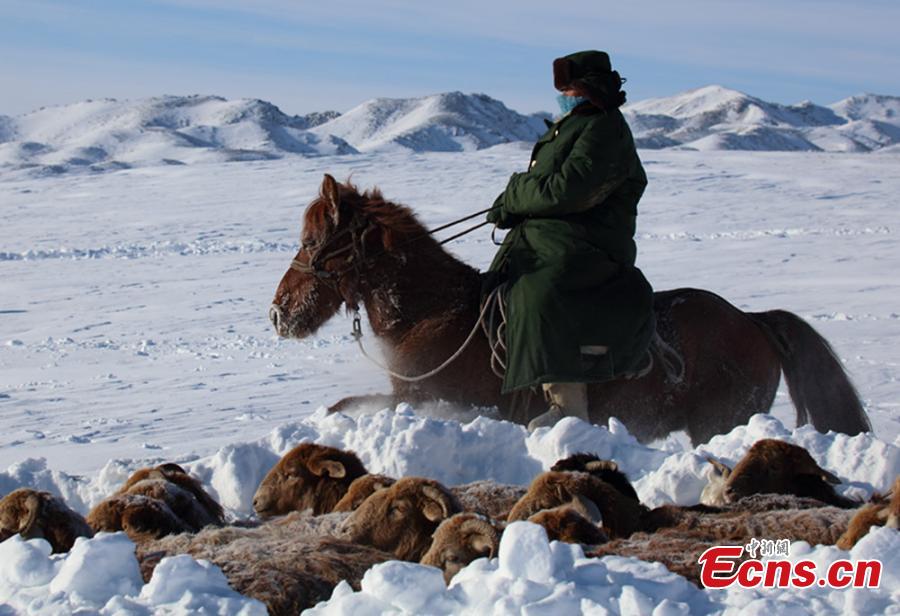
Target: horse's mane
<point>395,221</point>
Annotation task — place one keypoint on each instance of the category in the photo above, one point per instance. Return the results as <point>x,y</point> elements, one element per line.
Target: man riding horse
<point>579,311</point>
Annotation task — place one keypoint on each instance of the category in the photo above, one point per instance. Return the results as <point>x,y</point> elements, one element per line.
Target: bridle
<point>359,229</point>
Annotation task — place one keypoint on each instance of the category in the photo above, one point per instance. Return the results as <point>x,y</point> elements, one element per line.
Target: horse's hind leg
<point>372,402</point>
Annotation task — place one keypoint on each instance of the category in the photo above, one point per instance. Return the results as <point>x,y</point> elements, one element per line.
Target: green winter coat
<point>569,259</point>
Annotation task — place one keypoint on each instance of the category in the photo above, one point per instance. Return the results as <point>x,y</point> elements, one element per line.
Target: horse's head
<point>344,234</point>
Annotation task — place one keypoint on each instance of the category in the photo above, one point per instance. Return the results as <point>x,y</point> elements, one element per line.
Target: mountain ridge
<point>108,134</point>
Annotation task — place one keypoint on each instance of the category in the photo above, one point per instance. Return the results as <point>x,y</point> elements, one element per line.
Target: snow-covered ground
<point>133,328</point>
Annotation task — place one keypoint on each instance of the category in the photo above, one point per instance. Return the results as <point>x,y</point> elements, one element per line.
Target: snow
<point>134,330</point>
<point>101,575</point>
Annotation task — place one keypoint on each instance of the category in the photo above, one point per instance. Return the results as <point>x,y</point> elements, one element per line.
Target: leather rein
<point>358,230</point>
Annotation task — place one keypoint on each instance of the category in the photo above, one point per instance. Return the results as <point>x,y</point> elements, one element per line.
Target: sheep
<point>361,489</point>
<point>200,510</point>
<point>691,531</point>
<point>141,517</point>
<point>571,523</point>
<point>402,518</point>
<point>773,466</point>
<point>289,564</point>
<point>880,512</point>
<point>157,501</point>
<point>620,514</point>
<point>34,514</point>
<point>606,470</point>
<point>459,540</point>
<point>489,498</point>
<point>309,476</point>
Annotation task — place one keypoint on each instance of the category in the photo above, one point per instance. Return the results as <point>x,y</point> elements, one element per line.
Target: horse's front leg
<point>368,402</point>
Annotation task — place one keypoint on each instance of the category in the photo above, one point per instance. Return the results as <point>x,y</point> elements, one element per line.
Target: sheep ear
<point>29,520</point>
<point>328,468</point>
<point>332,195</point>
<point>601,465</point>
<point>170,468</point>
<point>721,468</point>
<point>829,477</point>
<point>437,507</point>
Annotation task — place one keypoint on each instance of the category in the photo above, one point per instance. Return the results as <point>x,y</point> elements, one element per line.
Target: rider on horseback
<point>579,311</point>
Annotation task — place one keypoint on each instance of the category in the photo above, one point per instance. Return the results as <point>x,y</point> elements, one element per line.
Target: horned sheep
<point>773,466</point>
<point>35,514</point>
<point>620,514</point>
<point>401,519</point>
<point>459,540</point>
<point>881,512</point>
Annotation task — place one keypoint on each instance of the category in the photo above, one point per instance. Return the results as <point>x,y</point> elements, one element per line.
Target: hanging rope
<point>479,324</point>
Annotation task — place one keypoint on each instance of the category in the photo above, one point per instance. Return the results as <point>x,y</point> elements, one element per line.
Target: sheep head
<point>776,467</point>
<point>402,518</point>
<point>620,514</point>
<point>174,474</point>
<point>459,540</point>
<point>605,470</point>
<point>572,523</point>
<point>34,514</point>
<point>309,476</point>
<point>361,489</point>
<point>141,517</point>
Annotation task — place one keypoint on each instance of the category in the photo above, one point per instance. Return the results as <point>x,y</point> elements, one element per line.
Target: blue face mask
<point>568,103</point>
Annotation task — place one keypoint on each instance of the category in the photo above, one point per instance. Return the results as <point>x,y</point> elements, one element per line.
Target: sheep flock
<point>322,518</point>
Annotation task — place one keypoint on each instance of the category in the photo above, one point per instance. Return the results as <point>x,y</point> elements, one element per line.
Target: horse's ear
<point>331,193</point>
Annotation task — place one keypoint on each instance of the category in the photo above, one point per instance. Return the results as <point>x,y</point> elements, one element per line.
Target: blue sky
<point>308,56</point>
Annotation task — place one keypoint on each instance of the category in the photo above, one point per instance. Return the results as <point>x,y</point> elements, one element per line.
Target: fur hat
<point>591,73</point>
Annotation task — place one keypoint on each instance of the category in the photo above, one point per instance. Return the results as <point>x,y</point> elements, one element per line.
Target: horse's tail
<point>819,386</point>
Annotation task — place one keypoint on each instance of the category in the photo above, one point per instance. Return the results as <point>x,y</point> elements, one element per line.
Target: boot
<point>565,400</point>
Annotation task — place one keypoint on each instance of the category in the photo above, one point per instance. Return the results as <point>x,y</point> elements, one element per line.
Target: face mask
<point>568,103</point>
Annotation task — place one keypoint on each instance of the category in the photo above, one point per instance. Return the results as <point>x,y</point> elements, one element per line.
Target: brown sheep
<point>309,476</point>
<point>690,532</point>
<point>361,489</point>
<point>33,514</point>
<point>141,517</point>
<point>175,474</point>
<point>773,466</point>
<point>289,564</point>
<point>402,518</point>
<point>489,498</point>
<point>881,512</point>
<point>571,523</point>
<point>461,539</point>
<point>606,470</point>
<point>620,514</point>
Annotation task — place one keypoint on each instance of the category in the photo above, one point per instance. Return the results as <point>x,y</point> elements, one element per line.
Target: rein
<point>358,229</point>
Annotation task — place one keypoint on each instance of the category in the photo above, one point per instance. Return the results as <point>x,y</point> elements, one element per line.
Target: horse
<point>422,303</point>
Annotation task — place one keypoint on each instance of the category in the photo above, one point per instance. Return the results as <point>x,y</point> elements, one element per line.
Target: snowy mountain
<point>447,122</point>
<point>717,118</point>
<point>110,134</point>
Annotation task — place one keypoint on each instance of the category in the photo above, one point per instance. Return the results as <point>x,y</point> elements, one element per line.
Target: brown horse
<point>422,303</point>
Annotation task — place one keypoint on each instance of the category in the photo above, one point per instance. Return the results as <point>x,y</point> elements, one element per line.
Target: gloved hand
<point>500,217</point>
